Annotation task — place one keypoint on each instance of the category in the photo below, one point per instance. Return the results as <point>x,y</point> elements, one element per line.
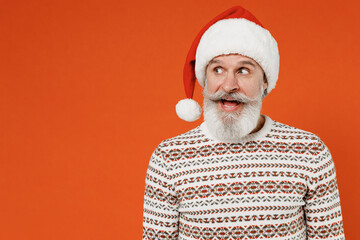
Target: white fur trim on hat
<point>241,36</point>
<point>188,110</point>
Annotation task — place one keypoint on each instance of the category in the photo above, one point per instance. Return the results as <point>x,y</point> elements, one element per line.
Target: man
<point>240,174</point>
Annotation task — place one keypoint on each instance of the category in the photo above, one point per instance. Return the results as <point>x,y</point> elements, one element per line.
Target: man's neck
<point>259,125</point>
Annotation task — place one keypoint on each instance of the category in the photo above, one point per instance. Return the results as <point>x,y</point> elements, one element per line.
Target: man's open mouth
<point>230,102</point>
<point>230,105</point>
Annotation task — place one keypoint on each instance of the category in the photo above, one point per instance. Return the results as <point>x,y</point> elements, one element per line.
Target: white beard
<point>232,126</point>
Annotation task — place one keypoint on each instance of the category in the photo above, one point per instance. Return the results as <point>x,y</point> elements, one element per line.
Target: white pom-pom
<point>188,110</point>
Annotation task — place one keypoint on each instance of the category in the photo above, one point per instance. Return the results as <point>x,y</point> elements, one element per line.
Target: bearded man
<point>240,174</point>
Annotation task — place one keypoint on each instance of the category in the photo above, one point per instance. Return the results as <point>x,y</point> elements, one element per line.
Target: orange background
<point>88,89</point>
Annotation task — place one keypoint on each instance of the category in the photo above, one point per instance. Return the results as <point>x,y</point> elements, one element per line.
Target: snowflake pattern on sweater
<point>279,183</point>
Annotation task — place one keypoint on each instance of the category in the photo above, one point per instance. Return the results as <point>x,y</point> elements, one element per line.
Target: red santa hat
<point>235,31</point>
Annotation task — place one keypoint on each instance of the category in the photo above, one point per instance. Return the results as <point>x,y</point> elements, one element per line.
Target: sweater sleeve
<point>161,216</point>
<point>322,209</point>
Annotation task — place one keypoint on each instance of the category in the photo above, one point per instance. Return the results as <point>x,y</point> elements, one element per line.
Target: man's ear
<point>265,82</point>
<point>265,86</point>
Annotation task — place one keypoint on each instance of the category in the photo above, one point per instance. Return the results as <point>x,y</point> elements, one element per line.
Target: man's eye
<point>218,70</point>
<point>244,71</point>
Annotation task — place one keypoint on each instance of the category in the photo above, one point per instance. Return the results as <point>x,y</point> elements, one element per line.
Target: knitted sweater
<point>279,183</point>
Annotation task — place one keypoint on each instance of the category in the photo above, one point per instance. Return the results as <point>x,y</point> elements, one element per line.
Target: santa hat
<point>235,31</point>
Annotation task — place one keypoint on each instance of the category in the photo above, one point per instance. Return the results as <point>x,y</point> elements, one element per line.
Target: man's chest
<point>245,179</point>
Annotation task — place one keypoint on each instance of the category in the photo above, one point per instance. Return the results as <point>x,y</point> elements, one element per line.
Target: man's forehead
<point>233,58</point>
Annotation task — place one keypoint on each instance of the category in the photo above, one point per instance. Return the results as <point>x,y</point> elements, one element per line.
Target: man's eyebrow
<point>245,62</point>
<point>213,61</point>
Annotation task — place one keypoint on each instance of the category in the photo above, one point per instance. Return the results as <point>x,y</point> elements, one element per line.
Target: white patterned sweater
<point>279,183</point>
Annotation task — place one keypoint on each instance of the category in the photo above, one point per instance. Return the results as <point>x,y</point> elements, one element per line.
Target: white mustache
<point>219,95</point>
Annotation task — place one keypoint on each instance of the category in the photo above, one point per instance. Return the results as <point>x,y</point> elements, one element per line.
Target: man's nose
<point>230,83</point>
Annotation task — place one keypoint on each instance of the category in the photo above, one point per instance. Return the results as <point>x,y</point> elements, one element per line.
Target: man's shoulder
<point>193,136</point>
<point>297,140</point>
<point>174,148</point>
<point>284,131</point>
